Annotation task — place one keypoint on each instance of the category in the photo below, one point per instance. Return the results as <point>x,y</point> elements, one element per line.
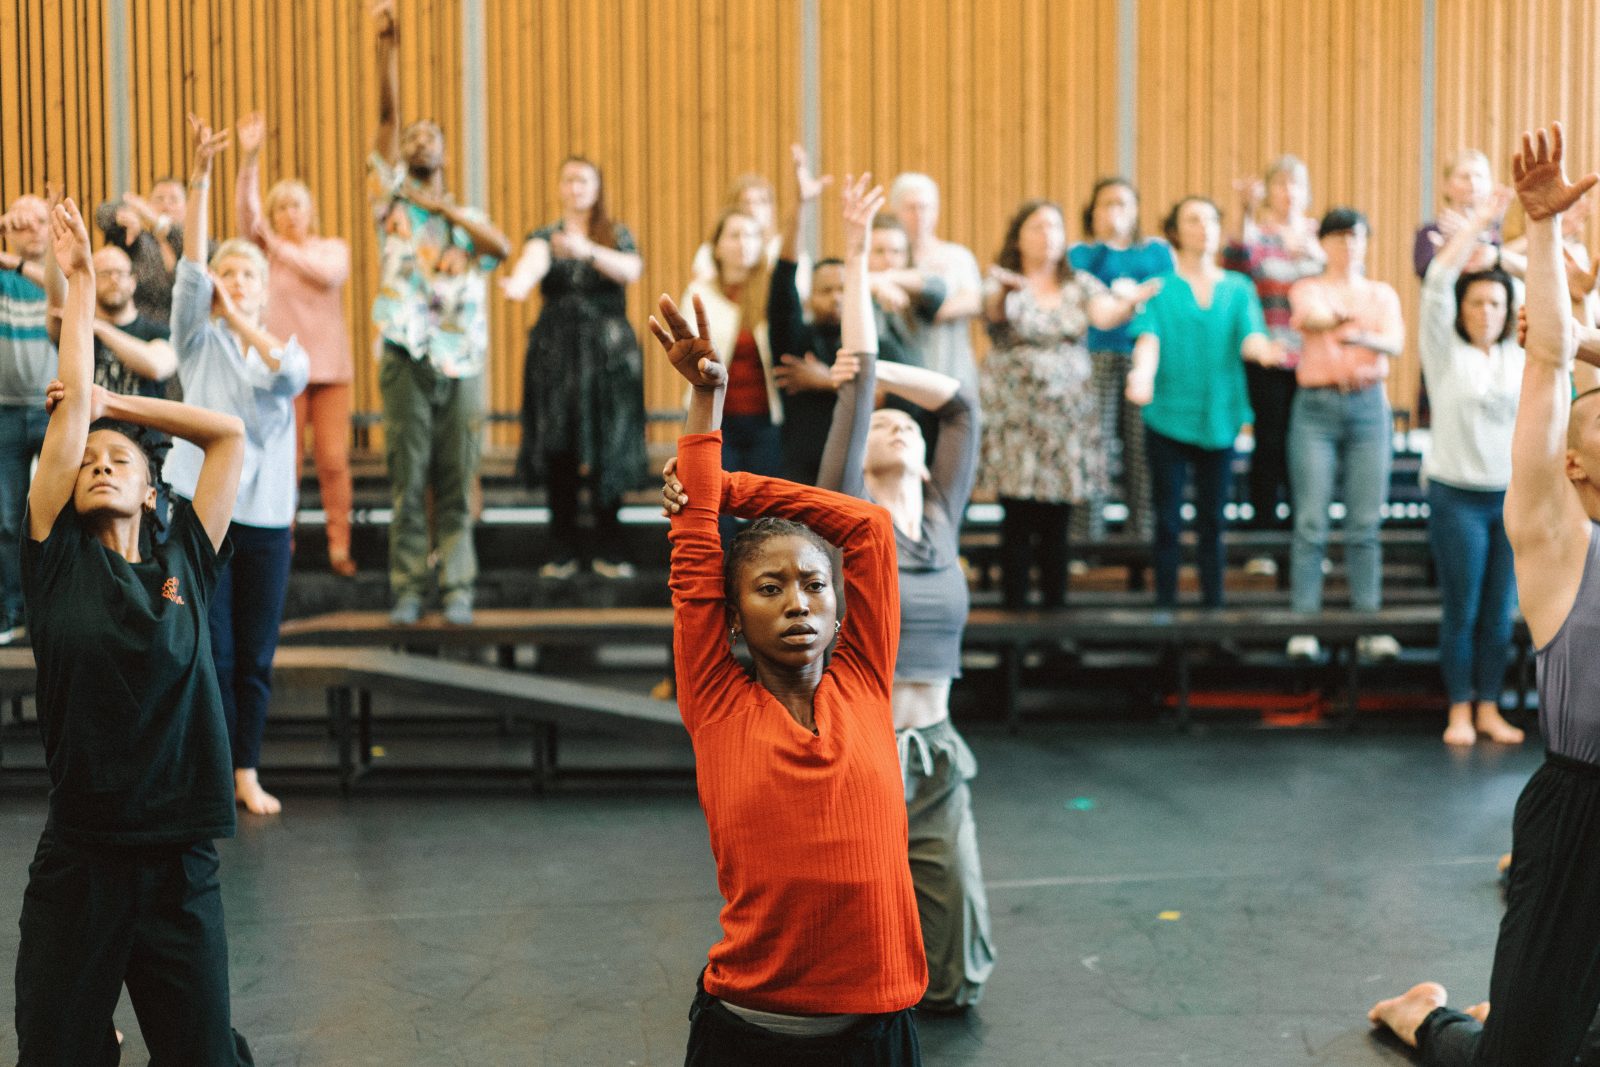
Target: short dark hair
<point>827,261</point>
<point>752,537</point>
<point>1499,277</point>
<point>888,222</point>
<point>168,179</point>
<point>1169,224</point>
<point>1342,220</point>
<point>1108,182</point>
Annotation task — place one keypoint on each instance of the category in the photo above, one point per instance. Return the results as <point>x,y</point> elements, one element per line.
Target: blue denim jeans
<point>1170,462</point>
<point>21,436</point>
<point>1344,438</point>
<point>246,611</point>
<point>1478,587</point>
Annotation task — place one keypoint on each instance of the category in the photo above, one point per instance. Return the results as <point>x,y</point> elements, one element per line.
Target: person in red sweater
<point>821,957</point>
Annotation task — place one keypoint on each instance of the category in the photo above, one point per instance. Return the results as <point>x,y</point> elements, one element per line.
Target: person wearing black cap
<point>1351,328</point>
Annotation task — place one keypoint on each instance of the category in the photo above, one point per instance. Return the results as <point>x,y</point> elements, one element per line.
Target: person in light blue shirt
<point>227,362</point>
<point>1120,256</point>
<point>1188,376</point>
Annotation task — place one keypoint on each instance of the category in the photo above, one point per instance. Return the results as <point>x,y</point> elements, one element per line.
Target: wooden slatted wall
<point>1227,85</point>
<point>672,98</point>
<point>998,99</point>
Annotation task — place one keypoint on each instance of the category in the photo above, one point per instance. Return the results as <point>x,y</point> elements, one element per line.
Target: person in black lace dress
<point>583,420</point>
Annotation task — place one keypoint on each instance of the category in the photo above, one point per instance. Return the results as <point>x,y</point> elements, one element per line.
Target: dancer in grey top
<point>1545,985</point>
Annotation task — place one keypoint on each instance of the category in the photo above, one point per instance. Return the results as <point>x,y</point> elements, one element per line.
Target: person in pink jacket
<point>305,300</point>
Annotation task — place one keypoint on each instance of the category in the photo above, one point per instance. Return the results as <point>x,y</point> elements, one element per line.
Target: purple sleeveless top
<point>1569,671</point>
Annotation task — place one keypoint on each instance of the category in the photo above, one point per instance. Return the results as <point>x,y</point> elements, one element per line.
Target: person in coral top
<point>821,957</point>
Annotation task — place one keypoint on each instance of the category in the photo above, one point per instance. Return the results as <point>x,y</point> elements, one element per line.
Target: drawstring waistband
<point>903,739</point>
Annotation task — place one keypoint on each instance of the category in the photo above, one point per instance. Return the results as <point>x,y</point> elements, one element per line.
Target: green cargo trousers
<point>433,438</point>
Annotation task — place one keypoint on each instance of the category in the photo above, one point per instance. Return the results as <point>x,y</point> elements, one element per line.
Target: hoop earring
<point>836,624</point>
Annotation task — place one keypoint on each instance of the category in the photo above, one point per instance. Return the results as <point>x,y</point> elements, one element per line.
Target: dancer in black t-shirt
<point>123,887</point>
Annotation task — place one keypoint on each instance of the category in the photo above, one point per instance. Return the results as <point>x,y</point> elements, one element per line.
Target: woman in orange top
<point>821,956</point>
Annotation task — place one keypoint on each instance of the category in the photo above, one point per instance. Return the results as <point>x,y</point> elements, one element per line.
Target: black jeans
<point>1033,530</point>
<point>96,916</point>
<point>1545,984</point>
<point>1170,461</point>
<point>1271,397</point>
<point>719,1038</point>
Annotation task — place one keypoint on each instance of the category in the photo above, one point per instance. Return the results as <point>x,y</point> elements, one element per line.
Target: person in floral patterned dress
<point>1042,445</point>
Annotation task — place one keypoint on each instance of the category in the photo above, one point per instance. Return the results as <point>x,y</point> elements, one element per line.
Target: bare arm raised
<point>1551,498</point>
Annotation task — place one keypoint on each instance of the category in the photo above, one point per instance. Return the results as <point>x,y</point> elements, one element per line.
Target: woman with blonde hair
<point>305,300</point>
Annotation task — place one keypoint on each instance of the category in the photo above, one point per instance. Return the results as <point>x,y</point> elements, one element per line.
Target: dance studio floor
<point>1230,899</point>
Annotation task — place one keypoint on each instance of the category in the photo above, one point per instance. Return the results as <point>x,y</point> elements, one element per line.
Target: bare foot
<point>1479,1012</point>
<point>1493,725</point>
<point>1403,1014</point>
<point>1460,730</point>
<point>247,792</point>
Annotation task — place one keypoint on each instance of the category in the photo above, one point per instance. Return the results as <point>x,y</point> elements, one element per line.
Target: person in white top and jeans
<point>1473,368</point>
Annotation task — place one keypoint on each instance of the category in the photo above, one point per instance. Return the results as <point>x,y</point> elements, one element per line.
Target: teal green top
<point>1200,395</point>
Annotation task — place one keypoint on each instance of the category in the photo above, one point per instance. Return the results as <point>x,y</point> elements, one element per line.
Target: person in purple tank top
<point>1545,984</point>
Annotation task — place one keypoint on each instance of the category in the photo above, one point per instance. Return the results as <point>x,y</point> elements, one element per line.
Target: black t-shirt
<point>129,708</point>
<point>110,372</point>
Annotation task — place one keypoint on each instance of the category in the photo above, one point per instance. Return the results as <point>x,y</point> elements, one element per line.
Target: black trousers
<point>1033,530</point>
<point>1271,397</point>
<point>1545,985</point>
<point>719,1038</point>
<point>1170,462</point>
<point>96,917</point>
<point>563,481</point>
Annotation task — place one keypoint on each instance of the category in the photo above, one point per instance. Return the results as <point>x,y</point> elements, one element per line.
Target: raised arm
<point>68,432</point>
<point>1107,310</point>
<point>387,141</point>
<point>218,435</point>
<point>702,655</point>
<point>207,145</point>
<point>152,359</point>
<point>1545,518</point>
<point>248,219</point>
<point>954,464</point>
<point>855,368</point>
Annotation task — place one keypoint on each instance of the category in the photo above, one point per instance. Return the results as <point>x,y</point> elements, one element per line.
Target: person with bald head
<point>946,342</point>
<point>27,364</point>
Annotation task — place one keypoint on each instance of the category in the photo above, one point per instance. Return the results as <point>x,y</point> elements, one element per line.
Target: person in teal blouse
<point>1188,376</point>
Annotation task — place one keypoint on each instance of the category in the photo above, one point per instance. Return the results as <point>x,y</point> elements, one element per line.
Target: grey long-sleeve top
<point>933,588</point>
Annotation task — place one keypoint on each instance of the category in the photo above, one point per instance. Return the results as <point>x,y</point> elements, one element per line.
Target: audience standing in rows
<point>1341,428</point>
<point>434,258</point>
<point>583,421</point>
<point>305,300</point>
<point>1191,342</point>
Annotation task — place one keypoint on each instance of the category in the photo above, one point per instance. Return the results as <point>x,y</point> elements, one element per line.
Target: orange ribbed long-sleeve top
<point>808,830</point>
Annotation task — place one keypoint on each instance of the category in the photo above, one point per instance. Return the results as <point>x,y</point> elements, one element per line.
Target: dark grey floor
<point>1305,875</point>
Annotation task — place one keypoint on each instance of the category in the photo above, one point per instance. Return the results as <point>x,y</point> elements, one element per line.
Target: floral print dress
<point>1041,433</point>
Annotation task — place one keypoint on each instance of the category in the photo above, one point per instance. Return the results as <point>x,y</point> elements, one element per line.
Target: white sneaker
<point>1077,568</point>
<point>559,569</point>
<point>1327,565</point>
<point>1377,647</point>
<point>1262,567</point>
<point>11,635</point>
<point>1304,646</point>
<point>607,569</point>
